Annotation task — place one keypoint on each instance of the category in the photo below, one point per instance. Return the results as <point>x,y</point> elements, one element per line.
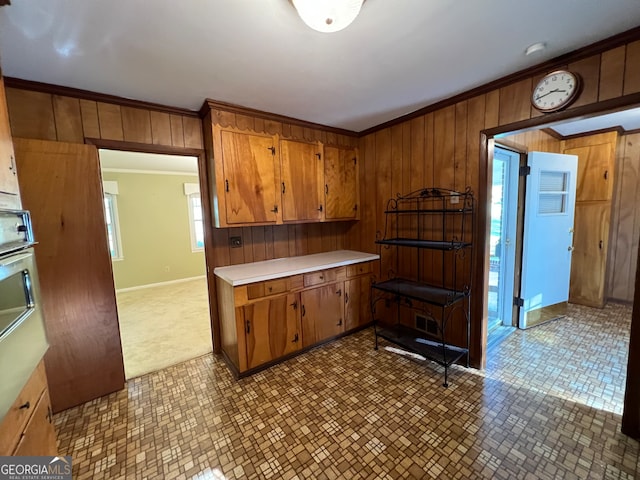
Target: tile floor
<point>546,407</point>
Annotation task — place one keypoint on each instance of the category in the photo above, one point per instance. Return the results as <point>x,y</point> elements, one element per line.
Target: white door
<point>548,236</point>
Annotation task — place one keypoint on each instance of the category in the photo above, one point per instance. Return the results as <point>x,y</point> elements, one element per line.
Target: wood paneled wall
<point>267,242</point>
<point>443,148</point>
<point>625,235</point>
<point>532,141</point>
<point>47,116</point>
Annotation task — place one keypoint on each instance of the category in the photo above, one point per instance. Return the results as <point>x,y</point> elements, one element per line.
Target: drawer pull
<point>25,405</point>
<point>339,323</point>
<point>346,297</point>
<point>295,339</point>
<point>339,293</point>
<point>321,277</point>
<point>248,326</point>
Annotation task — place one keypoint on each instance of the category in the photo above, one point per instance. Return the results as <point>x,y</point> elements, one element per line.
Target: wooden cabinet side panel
<point>301,171</point>
<point>8,177</point>
<point>589,257</point>
<point>227,314</point>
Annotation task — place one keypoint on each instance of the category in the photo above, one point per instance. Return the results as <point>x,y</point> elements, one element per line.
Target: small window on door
<point>196,222</point>
<point>553,192</point>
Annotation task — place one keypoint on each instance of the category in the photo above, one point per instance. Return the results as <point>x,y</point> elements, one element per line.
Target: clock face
<point>555,91</point>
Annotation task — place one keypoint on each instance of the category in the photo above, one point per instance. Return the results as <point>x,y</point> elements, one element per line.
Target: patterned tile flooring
<point>546,407</point>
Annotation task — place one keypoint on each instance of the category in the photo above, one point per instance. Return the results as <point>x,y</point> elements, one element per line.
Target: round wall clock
<point>555,91</point>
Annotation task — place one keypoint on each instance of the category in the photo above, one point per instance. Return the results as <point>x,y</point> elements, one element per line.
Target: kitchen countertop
<point>245,273</point>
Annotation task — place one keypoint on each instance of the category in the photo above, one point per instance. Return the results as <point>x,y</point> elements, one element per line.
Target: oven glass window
<point>14,299</point>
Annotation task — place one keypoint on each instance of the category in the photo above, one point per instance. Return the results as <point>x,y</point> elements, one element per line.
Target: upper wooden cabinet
<point>341,183</point>
<point>8,174</point>
<point>301,168</point>
<point>595,171</point>
<point>246,178</point>
<point>262,179</point>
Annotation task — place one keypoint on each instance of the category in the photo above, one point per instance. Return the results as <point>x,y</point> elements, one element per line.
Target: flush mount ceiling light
<point>328,15</point>
<point>536,47</point>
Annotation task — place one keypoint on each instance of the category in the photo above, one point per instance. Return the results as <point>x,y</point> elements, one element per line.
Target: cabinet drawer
<point>359,269</point>
<point>270,287</point>
<point>320,277</point>
<point>39,437</point>
<point>16,418</point>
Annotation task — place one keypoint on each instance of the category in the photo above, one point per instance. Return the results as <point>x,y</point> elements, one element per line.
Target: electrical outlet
<point>235,242</point>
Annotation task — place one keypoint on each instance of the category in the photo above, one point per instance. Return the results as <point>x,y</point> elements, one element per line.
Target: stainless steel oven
<point>23,340</point>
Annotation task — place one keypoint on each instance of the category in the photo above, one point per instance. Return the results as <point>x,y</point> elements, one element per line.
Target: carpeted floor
<point>165,325</point>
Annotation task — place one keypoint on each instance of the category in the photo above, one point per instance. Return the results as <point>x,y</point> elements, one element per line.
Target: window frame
<point>114,219</point>
<point>192,222</point>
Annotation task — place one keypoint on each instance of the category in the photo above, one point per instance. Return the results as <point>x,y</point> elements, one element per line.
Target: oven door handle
<point>28,288</point>
<point>14,258</point>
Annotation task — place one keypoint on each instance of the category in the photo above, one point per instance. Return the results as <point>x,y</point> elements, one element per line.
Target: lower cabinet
<point>272,328</point>
<point>27,428</point>
<point>268,320</point>
<point>357,307</point>
<point>322,313</point>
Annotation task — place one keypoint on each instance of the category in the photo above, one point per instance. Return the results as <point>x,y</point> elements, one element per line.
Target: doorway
<point>155,231</point>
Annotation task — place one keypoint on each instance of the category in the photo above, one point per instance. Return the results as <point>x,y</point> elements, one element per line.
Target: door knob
<point>570,248</point>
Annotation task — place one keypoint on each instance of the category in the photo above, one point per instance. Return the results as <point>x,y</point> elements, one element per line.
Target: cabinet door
<point>39,438</point>
<point>301,168</point>
<point>272,329</point>
<point>249,183</point>
<point>357,309</point>
<point>322,313</point>
<point>341,185</point>
<point>8,178</point>
<point>589,257</point>
<point>595,171</point>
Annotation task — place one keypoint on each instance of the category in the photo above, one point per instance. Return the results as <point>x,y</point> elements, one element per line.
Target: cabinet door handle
<point>275,209</point>
<point>24,406</point>
<point>248,326</point>
<point>12,166</point>
<point>326,189</point>
<point>283,188</point>
<point>346,297</point>
<point>319,156</point>
<point>339,324</point>
<point>600,244</point>
<point>294,305</point>
<point>320,208</point>
<point>339,293</point>
<point>304,312</point>
<point>606,174</point>
<point>226,185</point>
<point>273,150</point>
<point>295,339</point>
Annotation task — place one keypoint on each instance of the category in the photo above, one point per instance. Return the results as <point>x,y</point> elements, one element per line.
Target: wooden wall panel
<point>90,122</point>
<point>31,114</point>
<point>192,130</point>
<point>632,68</point>
<point>110,119</point>
<point>68,118</point>
<point>589,71</point>
<point>611,73</point>
<point>515,102</point>
<point>136,125</point>
<point>177,131</point>
<point>160,128</point>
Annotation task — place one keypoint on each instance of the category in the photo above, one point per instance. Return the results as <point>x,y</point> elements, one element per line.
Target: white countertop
<point>285,267</point>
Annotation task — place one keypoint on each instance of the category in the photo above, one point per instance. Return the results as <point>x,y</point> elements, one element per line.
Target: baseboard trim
<point>159,284</point>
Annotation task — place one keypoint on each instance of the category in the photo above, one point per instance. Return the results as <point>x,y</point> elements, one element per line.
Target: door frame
<point>630,416</point>
<point>203,179</point>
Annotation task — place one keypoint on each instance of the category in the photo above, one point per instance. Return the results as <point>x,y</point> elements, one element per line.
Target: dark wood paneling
<point>515,102</point>
<point>68,119</point>
<point>611,73</point>
<point>60,185</point>
<point>31,114</point>
<point>589,71</point>
<point>177,131</point>
<point>632,69</point>
<point>136,125</point>
<point>192,130</point>
<point>110,119</point>
<point>90,122</point>
<point>160,128</point>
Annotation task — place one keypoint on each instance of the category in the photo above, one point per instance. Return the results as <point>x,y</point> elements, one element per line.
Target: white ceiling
<point>398,55</point>
<point>116,160</point>
<point>626,119</point>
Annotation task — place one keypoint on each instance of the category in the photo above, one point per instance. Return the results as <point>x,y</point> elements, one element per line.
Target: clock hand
<point>549,93</point>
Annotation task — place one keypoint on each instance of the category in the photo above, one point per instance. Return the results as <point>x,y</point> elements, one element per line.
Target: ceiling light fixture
<point>328,16</point>
<point>536,47</point>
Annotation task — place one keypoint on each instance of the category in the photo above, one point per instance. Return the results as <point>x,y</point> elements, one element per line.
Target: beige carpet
<point>162,326</point>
